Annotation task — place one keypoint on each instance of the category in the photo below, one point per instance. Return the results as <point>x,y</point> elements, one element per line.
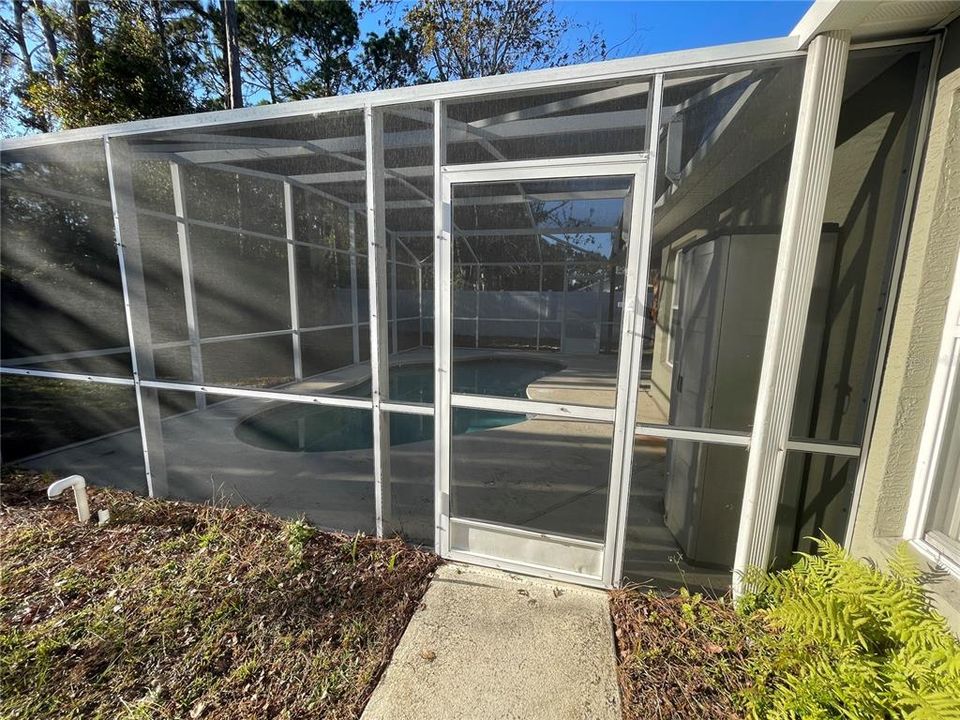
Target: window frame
<point>944,389</point>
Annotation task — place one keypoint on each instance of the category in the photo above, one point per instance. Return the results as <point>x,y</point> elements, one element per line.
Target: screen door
<point>534,282</point>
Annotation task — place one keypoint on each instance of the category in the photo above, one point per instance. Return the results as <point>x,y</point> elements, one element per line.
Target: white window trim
<point>946,381</point>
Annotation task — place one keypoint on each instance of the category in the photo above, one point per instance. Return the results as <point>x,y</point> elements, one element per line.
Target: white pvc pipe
<point>79,486</point>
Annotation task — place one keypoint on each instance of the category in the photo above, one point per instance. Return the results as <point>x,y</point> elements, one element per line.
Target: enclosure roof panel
<point>610,70</point>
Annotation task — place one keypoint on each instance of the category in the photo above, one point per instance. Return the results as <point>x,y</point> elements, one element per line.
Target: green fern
<point>847,640</point>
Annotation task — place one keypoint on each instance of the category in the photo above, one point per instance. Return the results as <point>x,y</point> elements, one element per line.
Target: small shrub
<point>847,640</point>
<point>297,533</point>
<point>354,547</point>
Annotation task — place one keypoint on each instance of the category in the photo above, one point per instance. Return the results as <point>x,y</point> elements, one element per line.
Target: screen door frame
<point>602,558</point>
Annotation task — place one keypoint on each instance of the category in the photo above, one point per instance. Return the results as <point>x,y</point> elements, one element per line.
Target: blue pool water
<point>294,427</point>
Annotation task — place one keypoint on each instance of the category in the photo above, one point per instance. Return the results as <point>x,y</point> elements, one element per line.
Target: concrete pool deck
<point>548,473</point>
<point>486,644</point>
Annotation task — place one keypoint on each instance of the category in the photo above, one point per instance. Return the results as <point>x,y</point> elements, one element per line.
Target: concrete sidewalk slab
<point>486,644</point>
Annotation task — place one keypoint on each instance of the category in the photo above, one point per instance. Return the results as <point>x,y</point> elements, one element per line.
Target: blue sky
<point>652,26</point>
<point>664,26</point>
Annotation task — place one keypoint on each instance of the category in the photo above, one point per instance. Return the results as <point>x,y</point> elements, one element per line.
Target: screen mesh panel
<point>721,180</point>
<point>249,234</point>
<point>684,513</point>
<point>292,459</point>
<point>68,427</point>
<point>869,186</point>
<point>408,187</point>
<point>62,296</point>
<point>588,120</point>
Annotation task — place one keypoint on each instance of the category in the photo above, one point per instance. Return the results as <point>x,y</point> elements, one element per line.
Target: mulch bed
<point>176,610</point>
<point>681,656</point>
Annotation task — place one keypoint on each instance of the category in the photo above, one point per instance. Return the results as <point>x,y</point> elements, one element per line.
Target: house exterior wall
<point>931,257</point>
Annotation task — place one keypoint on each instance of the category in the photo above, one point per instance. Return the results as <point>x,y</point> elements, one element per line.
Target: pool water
<point>295,427</point>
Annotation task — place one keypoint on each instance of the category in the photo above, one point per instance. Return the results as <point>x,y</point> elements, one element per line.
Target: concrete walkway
<point>487,645</point>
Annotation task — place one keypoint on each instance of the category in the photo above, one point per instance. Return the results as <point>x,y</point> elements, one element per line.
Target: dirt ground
<point>175,610</point>
<point>682,657</point>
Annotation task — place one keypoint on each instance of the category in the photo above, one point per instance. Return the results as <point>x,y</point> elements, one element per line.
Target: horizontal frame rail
<point>704,435</point>
<point>119,350</point>
<point>407,408</point>
<point>532,407</point>
<point>332,400</point>
<point>823,447</point>
<point>77,377</point>
<point>525,170</point>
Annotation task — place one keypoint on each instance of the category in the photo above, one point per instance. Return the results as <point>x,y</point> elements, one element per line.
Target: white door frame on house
<point>520,549</point>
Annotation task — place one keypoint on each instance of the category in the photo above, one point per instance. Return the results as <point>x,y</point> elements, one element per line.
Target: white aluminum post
<point>809,179</point>
<point>354,287</point>
<point>632,319</point>
<point>540,302</point>
<point>563,311</point>
<point>189,287</point>
<point>130,256</point>
<point>442,328</point>
<point>394,296</point>
<point>377,274</point>
<point>476,295</point>
<point>292,280</point>
<point>420,304</point>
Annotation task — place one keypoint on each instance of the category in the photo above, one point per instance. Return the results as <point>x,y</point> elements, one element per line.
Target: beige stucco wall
<point>918,324</point>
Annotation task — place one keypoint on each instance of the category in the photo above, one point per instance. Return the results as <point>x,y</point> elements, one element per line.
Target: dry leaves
<point>679,657</point>
<point>174,610</point>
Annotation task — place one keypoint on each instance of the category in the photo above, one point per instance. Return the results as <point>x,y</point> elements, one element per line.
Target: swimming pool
<point>295,427</point>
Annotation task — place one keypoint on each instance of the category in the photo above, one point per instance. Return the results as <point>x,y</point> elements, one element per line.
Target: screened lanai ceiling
<point>323,158</point>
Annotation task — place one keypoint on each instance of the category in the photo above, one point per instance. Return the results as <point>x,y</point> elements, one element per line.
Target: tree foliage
<point>325,33</point>
<point>269,53</point>
<point>111,73</point>
<point>82,63</point>
<point>390,60</point>
<point>71,63</point>
<point>476,38</point>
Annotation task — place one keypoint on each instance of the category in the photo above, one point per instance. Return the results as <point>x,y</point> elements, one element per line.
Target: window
<point>943,519</point>
<point>934,521</point>
<point>674,281</point>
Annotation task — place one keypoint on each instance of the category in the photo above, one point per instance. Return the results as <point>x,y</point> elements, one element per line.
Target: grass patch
<point>176,610</point>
